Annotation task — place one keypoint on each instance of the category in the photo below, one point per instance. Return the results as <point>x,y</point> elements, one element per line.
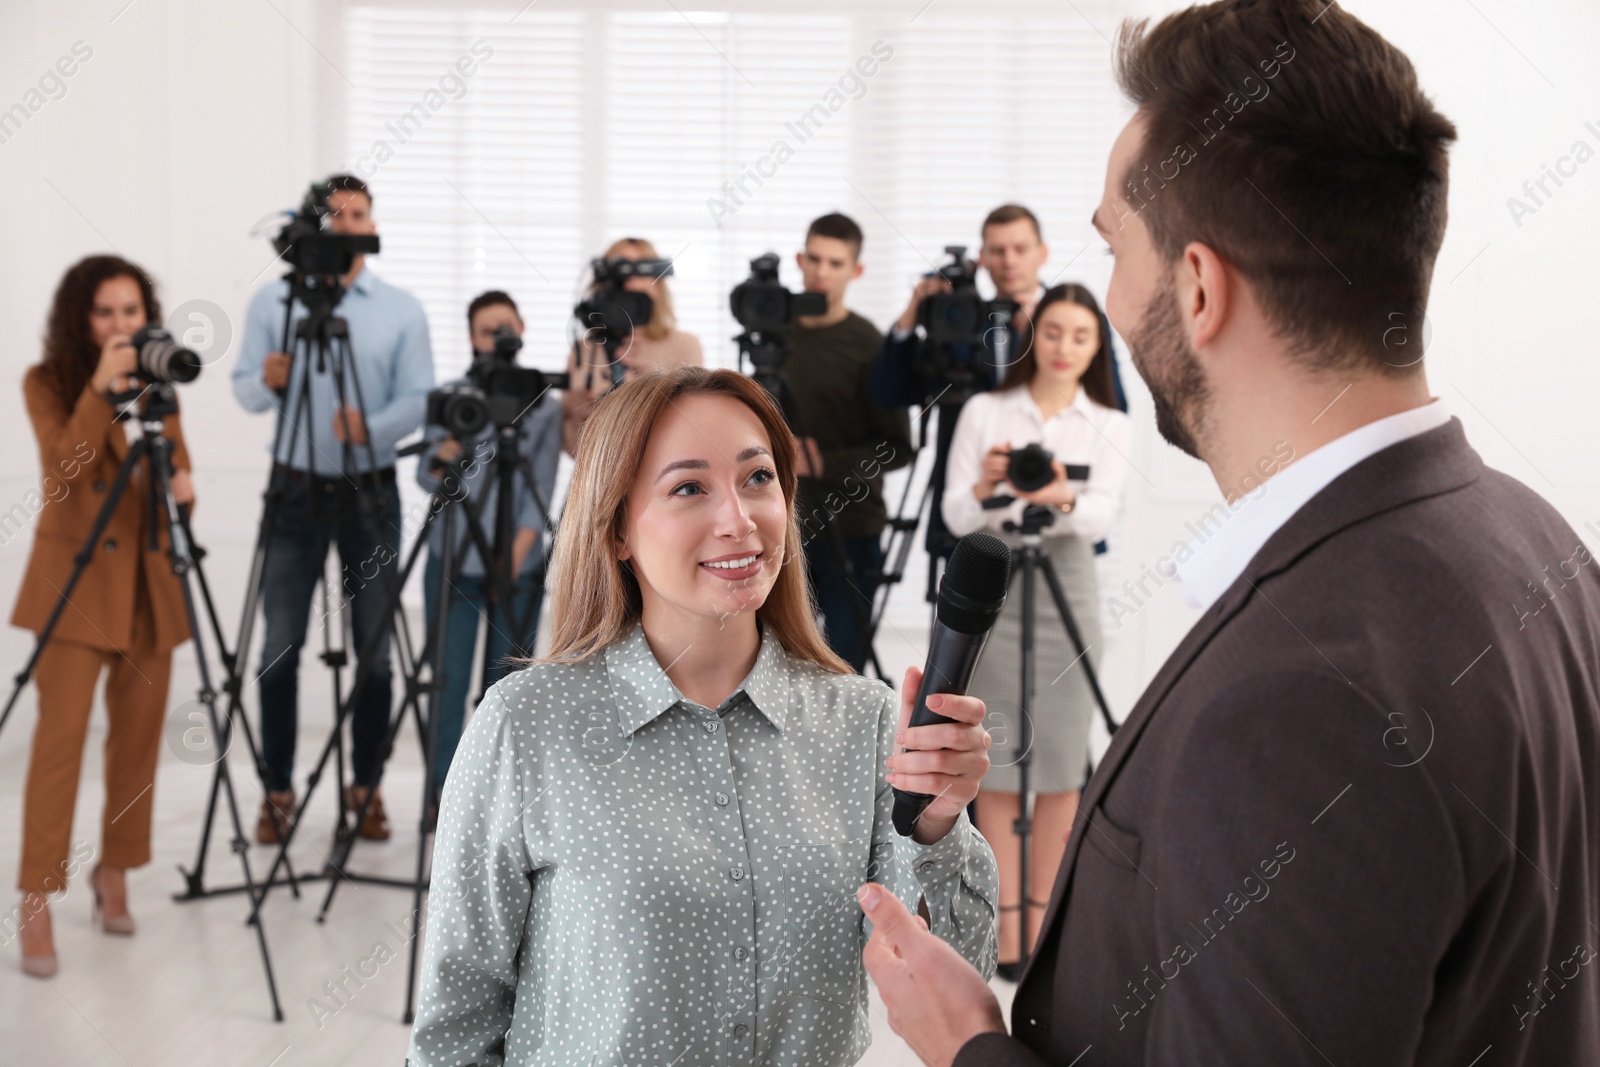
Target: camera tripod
<point>153,449</point>
<point>508,464</point>
<point>1031,560</point>
<point>322,337</point>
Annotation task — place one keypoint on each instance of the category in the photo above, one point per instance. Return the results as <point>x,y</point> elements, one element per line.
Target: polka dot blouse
<point>622,876</point>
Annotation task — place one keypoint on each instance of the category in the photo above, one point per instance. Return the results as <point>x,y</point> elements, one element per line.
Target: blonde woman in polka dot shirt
<point>650,843</point>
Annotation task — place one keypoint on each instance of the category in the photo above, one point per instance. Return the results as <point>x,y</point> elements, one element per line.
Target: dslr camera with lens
<point>496,390</point>
<point>1032,467</point>
<point>610,313</point>
<point>162,359</point>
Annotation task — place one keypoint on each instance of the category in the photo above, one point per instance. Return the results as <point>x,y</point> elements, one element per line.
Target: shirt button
<point>711,726</point>
<point>741,953</point>
<point>741,1030</point>
<point>722,798</point>
<point>738,873</point>
<point>111,544</point>
<point>925,866</point>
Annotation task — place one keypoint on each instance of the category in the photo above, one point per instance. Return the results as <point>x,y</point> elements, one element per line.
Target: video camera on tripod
<point>609,312</point>
<point>960,327</point>
<point>496,390</point>
<point>318,258</point>
<point>767,311</point>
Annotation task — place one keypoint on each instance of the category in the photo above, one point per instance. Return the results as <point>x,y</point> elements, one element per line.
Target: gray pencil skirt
<point>1062,702</point>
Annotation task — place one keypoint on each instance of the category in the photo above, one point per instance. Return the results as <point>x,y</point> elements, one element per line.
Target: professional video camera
<point>767,310</point>
<point>496,390</point>
<point>961,315</point>
<point>963,329</point>
<point>313,250</point>
<point>161,359</point>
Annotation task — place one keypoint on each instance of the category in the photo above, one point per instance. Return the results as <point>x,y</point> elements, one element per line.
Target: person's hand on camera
<point>946,761</point>
<point>993,471</point>
<point>275,370</point>
<point>118,360</point>
<point>347,424</point>
<point>925,287</point>
<point>182,487</point>
<point>449,450</point>
<point>1059,493</point>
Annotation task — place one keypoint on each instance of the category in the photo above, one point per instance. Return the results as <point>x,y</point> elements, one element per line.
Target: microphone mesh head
<point>977,575</point>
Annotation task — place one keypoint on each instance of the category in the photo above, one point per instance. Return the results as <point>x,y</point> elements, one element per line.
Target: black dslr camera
<point>1032,467</point>
<point>610,312</point>
<point>767,310</point>
<point>496,390</point>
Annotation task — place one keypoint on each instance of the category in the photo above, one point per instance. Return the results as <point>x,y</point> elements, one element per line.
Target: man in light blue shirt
<point>333,473</point>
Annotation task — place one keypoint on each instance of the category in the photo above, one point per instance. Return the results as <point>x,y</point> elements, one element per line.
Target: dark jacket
<point>1354,818</point>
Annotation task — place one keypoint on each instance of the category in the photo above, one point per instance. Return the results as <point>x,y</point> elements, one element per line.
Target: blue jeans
<point>836,599</point>
<point>313,513</point>
<point>469,604</point>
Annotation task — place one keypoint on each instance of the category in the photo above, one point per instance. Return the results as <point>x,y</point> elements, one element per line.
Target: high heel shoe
<point>42,964</point>
<point>112,924</point>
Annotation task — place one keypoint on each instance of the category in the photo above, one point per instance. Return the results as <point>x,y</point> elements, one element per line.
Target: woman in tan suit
<point>125,615</point>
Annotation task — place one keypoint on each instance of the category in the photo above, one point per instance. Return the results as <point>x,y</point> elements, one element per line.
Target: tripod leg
<point>1070,624</point>
<point>159,472</point>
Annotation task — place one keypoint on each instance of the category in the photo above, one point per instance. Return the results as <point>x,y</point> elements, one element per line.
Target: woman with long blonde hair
<point>650,842</point>
<point>657,344</point>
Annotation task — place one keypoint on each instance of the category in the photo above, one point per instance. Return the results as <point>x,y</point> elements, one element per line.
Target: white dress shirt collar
<point>1217,558</point>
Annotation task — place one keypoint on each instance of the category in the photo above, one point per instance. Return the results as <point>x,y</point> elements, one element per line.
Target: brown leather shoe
<point>375,827</point>
<point>277,812</point>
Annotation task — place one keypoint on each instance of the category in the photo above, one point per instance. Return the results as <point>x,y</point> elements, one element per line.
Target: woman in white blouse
<point>650,842</point>
<point>1058,394</point>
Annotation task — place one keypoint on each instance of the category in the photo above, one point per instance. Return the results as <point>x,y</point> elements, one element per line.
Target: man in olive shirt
<point>845,441</point>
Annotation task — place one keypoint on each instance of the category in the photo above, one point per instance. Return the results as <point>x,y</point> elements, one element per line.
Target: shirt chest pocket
<point>819,947</point>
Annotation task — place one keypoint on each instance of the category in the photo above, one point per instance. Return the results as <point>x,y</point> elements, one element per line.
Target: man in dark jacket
<point>1354,818</point>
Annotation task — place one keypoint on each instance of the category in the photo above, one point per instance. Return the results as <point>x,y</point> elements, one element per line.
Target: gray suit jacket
<point>1355,819</point>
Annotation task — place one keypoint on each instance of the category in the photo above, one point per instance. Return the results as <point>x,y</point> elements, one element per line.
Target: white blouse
<point>1082,432</point>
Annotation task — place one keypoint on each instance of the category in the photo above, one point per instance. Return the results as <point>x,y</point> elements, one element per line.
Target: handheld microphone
<point>971,595</point>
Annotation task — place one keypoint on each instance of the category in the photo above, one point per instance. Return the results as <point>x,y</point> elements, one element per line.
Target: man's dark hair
<point>351,184</point>
<point>490,299</point>
<point>1293,140</point>
<point>1011,213</point>
<point>840,228</point>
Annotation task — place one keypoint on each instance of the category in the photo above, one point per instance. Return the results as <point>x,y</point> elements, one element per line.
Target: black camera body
<point>762,305</point>
<point>961,316</point>
<point>496,391</point>
<point>1032,467</point>
<point>313,251</point>
<point>611,311</point>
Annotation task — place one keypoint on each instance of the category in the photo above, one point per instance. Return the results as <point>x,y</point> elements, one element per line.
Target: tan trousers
<point>136,704</point>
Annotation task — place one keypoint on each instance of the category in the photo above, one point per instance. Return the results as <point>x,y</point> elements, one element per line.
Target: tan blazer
<point>80,451</point>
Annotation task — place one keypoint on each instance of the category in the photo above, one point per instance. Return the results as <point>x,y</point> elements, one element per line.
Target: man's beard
<point>1170,368</point>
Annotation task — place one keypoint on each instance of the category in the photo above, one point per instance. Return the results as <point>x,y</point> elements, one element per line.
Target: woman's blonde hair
<point>595,597</point>
<point>663,320</point>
